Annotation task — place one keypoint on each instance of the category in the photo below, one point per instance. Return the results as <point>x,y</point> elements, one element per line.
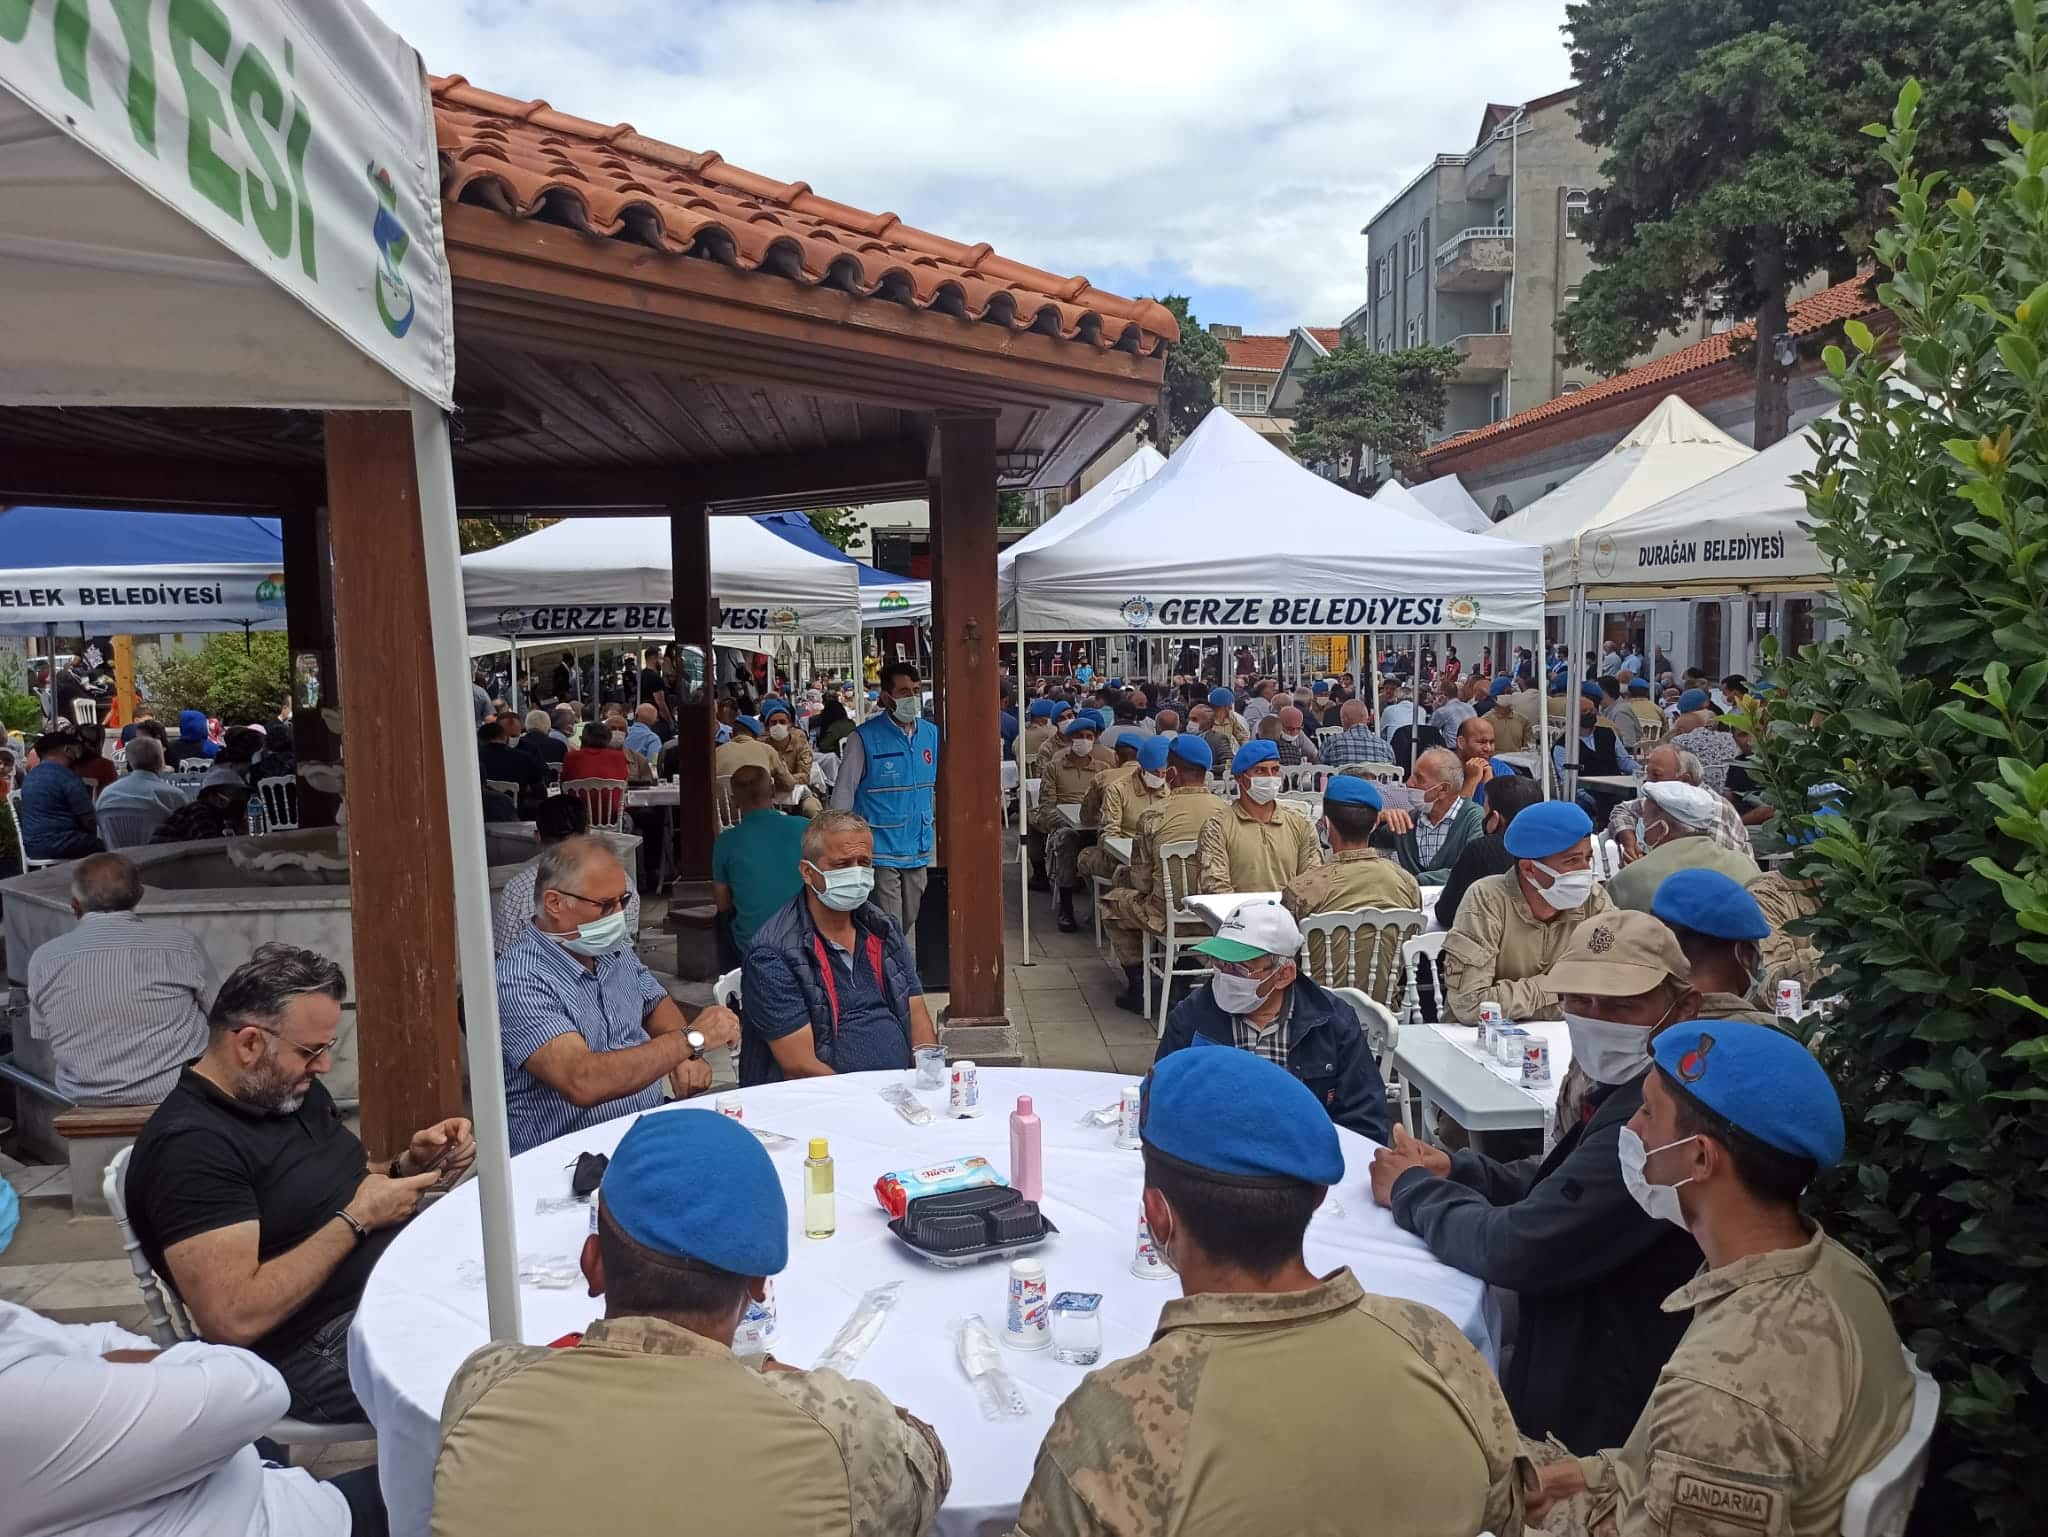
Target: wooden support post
<point>964,592</point>
<point>401,881</point>
<point>309,632</point>
<point>690,606</point>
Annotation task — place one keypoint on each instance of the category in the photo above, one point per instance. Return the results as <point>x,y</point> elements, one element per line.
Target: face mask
<point>1081,747</point>
<point>846,889</point>
<point>1152,781</point>
<point>1609,1052</point>
<point>1657,1200</point>
<point>598,937</point>
<point>1235,994</point>
<point>1568,888</point>
<point>778,731</point>
<point>907,709</point>
<point>1642,834</point>
<point>1263,788</point>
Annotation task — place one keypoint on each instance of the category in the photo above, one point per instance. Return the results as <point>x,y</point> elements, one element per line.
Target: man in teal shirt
<point>754,862</point>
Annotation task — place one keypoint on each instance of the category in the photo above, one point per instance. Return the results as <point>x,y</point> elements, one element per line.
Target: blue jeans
<point>316,1371</point>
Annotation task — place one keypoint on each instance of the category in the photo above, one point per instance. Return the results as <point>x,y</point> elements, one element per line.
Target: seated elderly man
<point>754,861</point>
<point>1675,832</point>
<point>1257,1001</point>
<point>1511,928</point>
<point>57,820</point>
<point>1256,844</point>
<point>539,743</point>
<point>641,737</point>
<point>498,760</point>
<point>1589,1267</point>
<point>1296,743</point>
<point>1356,875</point>
<point>135,805</point>
<point>1428,841</point>
<point>1721,928</point>
<point>829,985</point>
<point>1357,742</point>
<point>1663,763</point>
<point>120,1001</point>
<point>559,817</point>
<point>588,1033</point>
<point>248,1190</point>
<point>690,1225</point>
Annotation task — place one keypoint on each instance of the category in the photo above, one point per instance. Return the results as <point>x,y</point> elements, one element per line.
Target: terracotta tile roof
<point>526,159</point>
<point>1828,308</point>
<point>1264,352</point>
<point>1330,338</point>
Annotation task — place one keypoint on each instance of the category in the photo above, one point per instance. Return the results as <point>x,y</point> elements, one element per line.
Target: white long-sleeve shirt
<point>92,1448</point>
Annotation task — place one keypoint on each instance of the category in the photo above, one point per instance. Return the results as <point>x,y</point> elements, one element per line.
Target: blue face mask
<point>598,937</point>
<point>846,889</point>
<point>907,709</point>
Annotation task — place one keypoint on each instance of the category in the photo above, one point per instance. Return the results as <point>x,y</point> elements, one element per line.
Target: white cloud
<point>1213,144</point>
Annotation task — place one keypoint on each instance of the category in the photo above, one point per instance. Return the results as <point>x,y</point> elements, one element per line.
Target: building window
<point>1571,388</point>
<point>1386,274</point>
<point>1500,316</point>
<point>1577,204</point>
<point>1415,333</point>
<point>1500,217</point>
<point>1493,406</point>
<point>1247,398</point>
<point>1415,250</point>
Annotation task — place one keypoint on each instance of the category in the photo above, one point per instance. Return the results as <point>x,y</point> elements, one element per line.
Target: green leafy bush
<point>20,710</point>
<point>240,681</point>
<point>1930,502</point>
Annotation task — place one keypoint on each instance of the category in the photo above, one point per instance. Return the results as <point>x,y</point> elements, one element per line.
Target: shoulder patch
<point>1741,1503</point>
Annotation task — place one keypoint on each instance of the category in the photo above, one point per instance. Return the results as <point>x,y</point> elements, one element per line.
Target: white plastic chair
<point>14,810</point>
<point>1881,1498</point>
<point>85,712</point>
<point>605,801</point>
<point>1361,949</point>
<point>1175,878</point>
<point>1327,734</point>
<point>128,827</point>
<point>1381,773</point>
<point>1422,947</point>
<point>721,801</point>
<point>195,767</point>
<point>1606,858</point>
<point>1382,1035</point>
<point>280,797</point>
<point>169,1323</point>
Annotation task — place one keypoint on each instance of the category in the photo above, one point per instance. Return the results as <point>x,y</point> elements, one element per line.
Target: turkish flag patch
<point>927,755</point>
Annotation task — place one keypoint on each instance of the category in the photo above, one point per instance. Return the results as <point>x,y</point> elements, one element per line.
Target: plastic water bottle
<point>820,1209</point>
<point>258,824</point>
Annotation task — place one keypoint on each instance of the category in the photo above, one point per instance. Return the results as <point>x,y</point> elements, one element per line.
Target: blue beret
<point>1692,699</point>
<point>1547,828</point>
<point>1190,748</point>
<point>1709,903</point>
<point>695,1183</point>
<point>1102,718</point>
<point>1639,686</point>
<point>1238,1115</point>
<point>1319,687</point>
<point>1085,721</point>
<point>1590,690</point>
<point>1043,709</point>
<point>1122,736</point>
<point>1353,790</point>
<point>1500,685</point>
<point>773,707</point>
<point>724,735</point>
<point>1222,699</point>
<point>1152,753</point>
<point>752,723</point>
<point>1758,1079</point>
<point>1254,753</point>
<point>1116,682</point>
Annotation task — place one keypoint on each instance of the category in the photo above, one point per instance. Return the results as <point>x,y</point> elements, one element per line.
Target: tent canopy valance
<point>138,573</point>
<point>613,576</point>
<point>1233,535</point>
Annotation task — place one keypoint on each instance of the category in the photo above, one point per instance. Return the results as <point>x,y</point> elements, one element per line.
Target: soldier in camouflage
<point>1243,1416</point>
<point>1789,1382</point>
<point>533,1439</point>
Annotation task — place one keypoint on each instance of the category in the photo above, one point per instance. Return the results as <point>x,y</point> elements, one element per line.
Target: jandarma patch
<point>1731,1502</point>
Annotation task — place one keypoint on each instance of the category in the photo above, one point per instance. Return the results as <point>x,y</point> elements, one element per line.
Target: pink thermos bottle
<point>1027,1156</point>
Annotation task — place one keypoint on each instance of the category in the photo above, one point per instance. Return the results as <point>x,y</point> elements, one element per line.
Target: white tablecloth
<point>1444,1063</point>
<point>1009,777</point>
<point>418,1320</point>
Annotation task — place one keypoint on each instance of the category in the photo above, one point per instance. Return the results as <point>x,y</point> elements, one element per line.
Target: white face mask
<point>1657,1200</point>
<point>1567,889</point>
<point>778,731</point>
<point>1606,1051</point>
<point>1263,788</point>
<point>1152,781</point>
<point>847,888</point>
<point>1082,747</point>
<point>1235,994</point>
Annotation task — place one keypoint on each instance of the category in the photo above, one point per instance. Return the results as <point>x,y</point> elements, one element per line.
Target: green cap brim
<point>1227,949</point>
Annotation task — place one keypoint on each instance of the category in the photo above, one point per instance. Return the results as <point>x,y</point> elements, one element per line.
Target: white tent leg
<point>1545,775</point>
<point>1023,814</point>
<point>472,873</point>
<point>1574,676</point>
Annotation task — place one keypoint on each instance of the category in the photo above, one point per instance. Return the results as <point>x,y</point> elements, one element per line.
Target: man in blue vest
<point>887,771</point>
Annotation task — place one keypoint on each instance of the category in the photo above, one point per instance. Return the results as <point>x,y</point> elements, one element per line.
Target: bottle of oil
<point>820,1210</point>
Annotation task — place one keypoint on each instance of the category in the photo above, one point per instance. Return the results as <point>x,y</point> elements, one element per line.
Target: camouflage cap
<point>1618,954</point>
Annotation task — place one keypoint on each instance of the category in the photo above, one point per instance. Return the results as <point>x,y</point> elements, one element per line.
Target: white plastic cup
<point>1027,1322</point>
<point>1148,1264</point>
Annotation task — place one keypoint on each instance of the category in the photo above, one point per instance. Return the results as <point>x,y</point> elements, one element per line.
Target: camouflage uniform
<point>1728,1006</point>
<point>1121,797</point>
<point>795,752</point>
<point>1067,781</point>
<point>742,751</point>
<point>1788,957</point>
<point>1349,880</point>
<point>1036,735</point>
<point>1239,1418</point>
<point>1239,853</point>
<point>1788,1384</point>
<point>1500,950</point>
<point>1139,905</point>
<point>540,1440</point>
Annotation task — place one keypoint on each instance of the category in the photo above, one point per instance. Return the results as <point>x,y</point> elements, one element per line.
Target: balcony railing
<point>1449,249</point>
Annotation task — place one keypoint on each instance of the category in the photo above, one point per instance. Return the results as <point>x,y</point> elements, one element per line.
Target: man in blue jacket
<point>888,769</point>
<point>1257,1001</point>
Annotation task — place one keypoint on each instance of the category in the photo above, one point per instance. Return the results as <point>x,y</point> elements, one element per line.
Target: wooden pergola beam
<point>858,472</point>
<point>65,478</point>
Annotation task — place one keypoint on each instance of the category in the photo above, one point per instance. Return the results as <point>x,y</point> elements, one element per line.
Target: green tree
<point>20,710</point>
<point>240,679</point>
<point>1355,400</point>
<point>1189,392</point>
<point>1733,171</point>
<point>1013,508</point>
<point>1930,715</point>
<point>488,533</point>
<point>837,524</point>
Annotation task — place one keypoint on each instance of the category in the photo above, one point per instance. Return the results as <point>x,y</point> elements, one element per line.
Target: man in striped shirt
<point>120,1000</point>
<point>588,1033</point>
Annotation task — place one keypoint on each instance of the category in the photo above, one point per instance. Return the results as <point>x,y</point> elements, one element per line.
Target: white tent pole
<point>1574,676</point>
<point>472,873</point>
<point>1545,774</point>
<point>1023,806</point>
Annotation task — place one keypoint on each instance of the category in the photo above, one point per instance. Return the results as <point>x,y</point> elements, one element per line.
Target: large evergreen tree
<point>1355,401</point>
<point>1734,168</point>
<point>1190,388</point>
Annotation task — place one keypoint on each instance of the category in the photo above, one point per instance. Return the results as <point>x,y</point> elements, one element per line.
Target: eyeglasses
<point>311,1054</point>
<point>605,907</point>
<point>1244,968</point>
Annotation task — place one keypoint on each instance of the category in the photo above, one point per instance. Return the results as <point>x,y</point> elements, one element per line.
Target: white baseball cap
<point>1255,929</point>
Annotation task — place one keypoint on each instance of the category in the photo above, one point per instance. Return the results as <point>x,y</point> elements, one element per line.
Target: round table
<point>420,1317</point>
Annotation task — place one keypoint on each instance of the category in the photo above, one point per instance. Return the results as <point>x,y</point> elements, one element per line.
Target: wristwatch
<point>696,1041</point>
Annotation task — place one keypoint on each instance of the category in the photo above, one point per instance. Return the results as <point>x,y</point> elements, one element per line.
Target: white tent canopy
<point>612,576</point>
<point>1739,531</point>
<point>1232,535</point>
<point>1672,448</point>
<point>1452,504</point>
<point>1071,519</point>
<point>1395,497</point>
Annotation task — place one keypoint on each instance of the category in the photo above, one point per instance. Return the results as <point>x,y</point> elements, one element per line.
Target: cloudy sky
<point>1227,149</point>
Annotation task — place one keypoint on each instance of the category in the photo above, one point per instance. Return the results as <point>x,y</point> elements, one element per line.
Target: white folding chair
<point>604,800</point>
<point>1881,1498</point>
<point>14,810</point>
<point>195,767</point>
<point>128,827</point>
<point>1381,773</point>
<point>1382,1034</point>
<point>721,800</point>
<point>1327,734</point>
<point>169,1323</point>
<point>1606,858</point>
<point>1175,878</point>
<point>509,788</point>
<point>280,797</point>
<point>85,712</point>
<point>1361,949</point>
<point>1430,948</point>
<point>1297,776</point>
